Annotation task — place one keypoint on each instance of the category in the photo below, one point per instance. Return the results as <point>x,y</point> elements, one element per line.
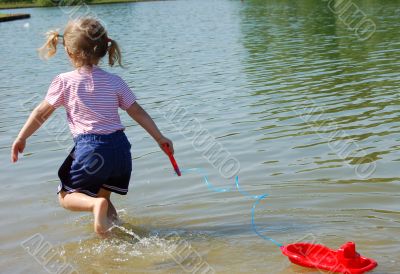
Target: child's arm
<point>142,118</point>
<point>38,116</point>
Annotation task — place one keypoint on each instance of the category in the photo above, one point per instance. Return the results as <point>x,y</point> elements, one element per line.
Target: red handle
<point>171,158</point>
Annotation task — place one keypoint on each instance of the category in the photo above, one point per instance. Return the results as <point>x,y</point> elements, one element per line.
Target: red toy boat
<point>345,260</point>
<point>171,158</point>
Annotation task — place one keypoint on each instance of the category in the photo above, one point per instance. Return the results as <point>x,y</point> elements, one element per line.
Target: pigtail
<point>114,53</point>
<point>50,47</point>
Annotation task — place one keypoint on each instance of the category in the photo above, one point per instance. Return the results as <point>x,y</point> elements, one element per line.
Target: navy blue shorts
<point>97,161</point>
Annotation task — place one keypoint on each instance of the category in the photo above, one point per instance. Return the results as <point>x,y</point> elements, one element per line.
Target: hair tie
<point>109,40</point>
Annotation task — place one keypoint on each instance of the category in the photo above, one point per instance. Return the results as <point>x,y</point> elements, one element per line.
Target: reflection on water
<point>284,86</point>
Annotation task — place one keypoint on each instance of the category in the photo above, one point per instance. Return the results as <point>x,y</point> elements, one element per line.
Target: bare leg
<point>112,212</point>
<point>81,202</point>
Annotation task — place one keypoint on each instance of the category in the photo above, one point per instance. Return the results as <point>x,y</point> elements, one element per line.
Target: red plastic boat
<point>344,260</point>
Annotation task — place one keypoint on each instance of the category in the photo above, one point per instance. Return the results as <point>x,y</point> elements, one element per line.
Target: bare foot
<point>101,222</point>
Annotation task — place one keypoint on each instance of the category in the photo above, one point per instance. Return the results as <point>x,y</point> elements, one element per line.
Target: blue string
<point>257,198</point>
<point>209,185</point>
<point>253,225</point>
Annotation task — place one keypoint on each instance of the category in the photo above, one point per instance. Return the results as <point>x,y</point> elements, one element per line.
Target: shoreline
<point>22,5</point>
<point>12,17</point>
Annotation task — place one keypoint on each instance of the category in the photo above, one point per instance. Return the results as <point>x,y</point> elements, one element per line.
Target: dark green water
<point>307,107</point>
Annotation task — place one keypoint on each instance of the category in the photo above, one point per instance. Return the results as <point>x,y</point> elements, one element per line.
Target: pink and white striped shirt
<point>91,97</point>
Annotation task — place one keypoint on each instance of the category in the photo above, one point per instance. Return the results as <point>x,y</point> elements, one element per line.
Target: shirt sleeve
<point>125,95</point>
<point>55,94</point>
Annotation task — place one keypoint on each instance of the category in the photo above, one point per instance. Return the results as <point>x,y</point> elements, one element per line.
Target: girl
<point>100,162</point>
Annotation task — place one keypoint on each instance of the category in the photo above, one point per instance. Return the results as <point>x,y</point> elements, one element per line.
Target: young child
<point>100,162</point>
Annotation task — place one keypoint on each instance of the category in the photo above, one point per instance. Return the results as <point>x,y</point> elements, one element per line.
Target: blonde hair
<point>86,42</point>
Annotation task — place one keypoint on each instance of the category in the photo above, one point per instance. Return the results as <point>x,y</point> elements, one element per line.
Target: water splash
<point>127,231</point>
<point>125,244</point>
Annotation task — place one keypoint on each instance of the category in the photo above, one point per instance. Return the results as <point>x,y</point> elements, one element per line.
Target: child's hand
<point>17,147</point>
<point>165,140</point>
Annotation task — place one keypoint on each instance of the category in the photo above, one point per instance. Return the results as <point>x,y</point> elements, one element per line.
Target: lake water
<point>307,107</point>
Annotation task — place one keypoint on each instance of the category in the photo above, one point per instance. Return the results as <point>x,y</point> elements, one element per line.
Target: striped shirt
<point>91,98</point>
